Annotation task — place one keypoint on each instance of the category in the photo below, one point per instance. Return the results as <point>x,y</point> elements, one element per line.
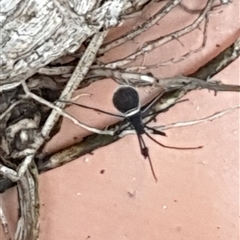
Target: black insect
<point>126,101</point>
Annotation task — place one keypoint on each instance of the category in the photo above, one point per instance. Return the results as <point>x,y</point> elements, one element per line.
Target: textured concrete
<point>196,196</point>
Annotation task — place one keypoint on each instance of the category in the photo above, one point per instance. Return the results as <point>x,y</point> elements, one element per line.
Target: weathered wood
<point>35,33</point>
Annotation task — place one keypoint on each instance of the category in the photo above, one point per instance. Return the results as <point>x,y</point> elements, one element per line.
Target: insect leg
<point>145,153</point>
<point>172,147</point>
<point>92,108</point>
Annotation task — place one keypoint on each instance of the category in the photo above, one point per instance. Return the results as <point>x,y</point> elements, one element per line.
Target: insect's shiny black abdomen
<point>126,99</point>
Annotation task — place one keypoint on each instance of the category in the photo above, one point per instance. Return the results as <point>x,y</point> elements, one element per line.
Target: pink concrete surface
<point>197,193</point>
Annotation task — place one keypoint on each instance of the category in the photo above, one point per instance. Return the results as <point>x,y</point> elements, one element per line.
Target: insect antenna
<point>145,153</point>
<point>166,146</point>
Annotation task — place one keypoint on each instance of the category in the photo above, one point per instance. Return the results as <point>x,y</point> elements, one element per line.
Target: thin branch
<point>149,46</point>
<point>28,223</point>
<point>61,112</point>
<point>79,74</point>
<point>141,28</point>
<point>179,59</point>
<point>139,80</point>
<point>218,63</point>
<point>197,121</point>
<point>191,83</point>
<point>9,109</point>
<point>4,224</point>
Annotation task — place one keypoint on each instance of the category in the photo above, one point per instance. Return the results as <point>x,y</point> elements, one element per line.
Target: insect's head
<point>126,100</point>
